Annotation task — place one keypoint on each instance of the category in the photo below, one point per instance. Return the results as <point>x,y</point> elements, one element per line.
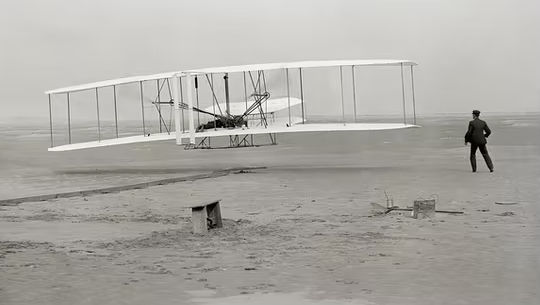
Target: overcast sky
<point>471,54</point>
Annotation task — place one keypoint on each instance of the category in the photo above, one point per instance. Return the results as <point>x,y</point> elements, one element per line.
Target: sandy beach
<point>305,229</point>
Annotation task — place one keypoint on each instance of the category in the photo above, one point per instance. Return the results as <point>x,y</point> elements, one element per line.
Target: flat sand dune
<point>302,231</point>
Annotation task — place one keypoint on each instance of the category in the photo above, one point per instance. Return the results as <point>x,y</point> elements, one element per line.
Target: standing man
<point>475,135</point>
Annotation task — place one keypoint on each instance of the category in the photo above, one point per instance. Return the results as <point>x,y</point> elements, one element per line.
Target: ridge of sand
<point>114,189</point>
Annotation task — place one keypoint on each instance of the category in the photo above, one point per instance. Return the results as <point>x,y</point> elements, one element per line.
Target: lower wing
<point>221,132</point>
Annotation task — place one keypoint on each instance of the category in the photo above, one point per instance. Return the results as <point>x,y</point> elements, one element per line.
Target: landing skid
<point>234,142</point>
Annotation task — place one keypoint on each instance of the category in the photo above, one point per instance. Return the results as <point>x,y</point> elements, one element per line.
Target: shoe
<point>491,170</point>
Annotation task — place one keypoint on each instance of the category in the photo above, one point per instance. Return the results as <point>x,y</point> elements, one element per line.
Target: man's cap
<point>476,112</point>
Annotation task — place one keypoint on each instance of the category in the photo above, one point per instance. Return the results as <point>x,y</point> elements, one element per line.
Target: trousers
<point>485,154</point>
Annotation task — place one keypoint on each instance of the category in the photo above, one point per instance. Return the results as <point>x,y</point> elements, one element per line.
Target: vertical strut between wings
<point>176,101</point>
<point>189,97</point>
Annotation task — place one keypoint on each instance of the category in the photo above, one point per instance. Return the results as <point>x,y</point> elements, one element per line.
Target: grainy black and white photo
<point>269,152</point>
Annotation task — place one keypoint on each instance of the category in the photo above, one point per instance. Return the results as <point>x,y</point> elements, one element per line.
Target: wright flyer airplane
<point>221,107</point>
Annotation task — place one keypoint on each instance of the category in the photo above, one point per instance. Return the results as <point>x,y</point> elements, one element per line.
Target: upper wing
<point>302,64</point>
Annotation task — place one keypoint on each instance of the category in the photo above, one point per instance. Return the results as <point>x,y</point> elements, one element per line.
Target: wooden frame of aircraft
<point>228,119</point>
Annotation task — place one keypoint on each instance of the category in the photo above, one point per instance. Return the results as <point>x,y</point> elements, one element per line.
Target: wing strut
<point>302,94</point>
<point>197,98</point>
<point>69,118</point>
<point>189,98</point>
<point>50,120</point>
<point>142,109</point>
<point>211,84</point>
<point>177,91</point>
<point>354,91</point>
<point>97,111</point>
<point>413,99</point>
<point>157,103</point>
<point>403,95</point>
<point>227,101</point>
<point>258,96</point>
<point>288,95</point>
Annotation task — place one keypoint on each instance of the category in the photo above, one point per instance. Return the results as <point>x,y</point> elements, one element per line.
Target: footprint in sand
<point>347,282</point>
<point>509,213</point>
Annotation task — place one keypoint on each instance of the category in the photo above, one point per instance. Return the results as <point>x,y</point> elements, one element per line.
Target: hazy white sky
<point>472,54</point>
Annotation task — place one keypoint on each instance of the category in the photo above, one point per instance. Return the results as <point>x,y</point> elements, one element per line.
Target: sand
<point>303,233</point>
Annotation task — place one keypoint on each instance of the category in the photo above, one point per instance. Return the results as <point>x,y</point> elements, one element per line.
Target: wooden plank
<point>214,214</point>
<point>203,204</point>
<point>410,210</point>
<point>199,220</point>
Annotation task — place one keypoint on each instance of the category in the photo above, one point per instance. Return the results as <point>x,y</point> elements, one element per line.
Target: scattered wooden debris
<point>423,209</point>
<point>396,208</point>
<point>410,210</point>
<point>391,207</point>
<point>389,200</point>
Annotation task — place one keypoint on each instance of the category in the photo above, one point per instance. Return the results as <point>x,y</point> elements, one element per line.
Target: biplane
<point>253,111</point>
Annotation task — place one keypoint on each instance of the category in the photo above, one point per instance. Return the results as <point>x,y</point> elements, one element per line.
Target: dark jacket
<point>475,133</point>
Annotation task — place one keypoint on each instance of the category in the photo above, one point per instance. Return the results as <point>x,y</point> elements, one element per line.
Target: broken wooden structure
<point>206,216</point>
